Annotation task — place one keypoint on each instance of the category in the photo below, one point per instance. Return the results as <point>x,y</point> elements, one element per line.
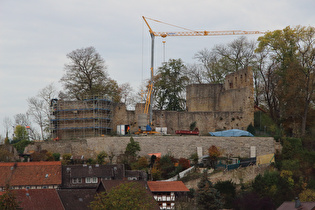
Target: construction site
<point>211,106</point>
<point>90,117</point>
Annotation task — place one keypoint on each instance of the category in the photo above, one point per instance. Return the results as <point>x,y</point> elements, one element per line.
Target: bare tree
<point>213,71</point>
<point>127,95</point>
<point>36,108</point>
<point>39,108</point>
<point>195,73</point>
<point>238,54</point>
<point>7,123</point>
<point>22,119</point>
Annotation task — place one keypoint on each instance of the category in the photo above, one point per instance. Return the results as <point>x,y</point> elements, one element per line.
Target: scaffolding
<point>90,117</point>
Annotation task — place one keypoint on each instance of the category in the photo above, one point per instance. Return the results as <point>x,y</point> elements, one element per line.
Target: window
<point>76,180</point>
<point>91,180</point>
<point>94,180</point>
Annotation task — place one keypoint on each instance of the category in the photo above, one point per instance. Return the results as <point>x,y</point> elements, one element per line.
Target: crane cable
<point>169,24</point>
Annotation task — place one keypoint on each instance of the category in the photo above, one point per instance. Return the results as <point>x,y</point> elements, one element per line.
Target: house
<point>30,175</point>
<point>38,199</point>
<point>76,199</point>
<point>166,193</point>
<point>89,176</point>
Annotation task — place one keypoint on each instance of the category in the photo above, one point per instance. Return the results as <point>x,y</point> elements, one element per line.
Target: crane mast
<point>188,32</point>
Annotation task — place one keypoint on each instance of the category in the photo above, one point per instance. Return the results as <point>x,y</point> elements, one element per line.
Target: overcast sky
<point>36,35</point>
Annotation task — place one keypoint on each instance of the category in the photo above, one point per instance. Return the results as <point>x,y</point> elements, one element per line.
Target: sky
<point>36,36</point>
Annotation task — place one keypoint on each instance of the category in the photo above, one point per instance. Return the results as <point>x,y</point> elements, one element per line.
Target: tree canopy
<point>207,196</point>
<point>287,69</point>
<point>8,200</point>
<point>126,196</point>
<point>86,76</point>
<point>169,86</point>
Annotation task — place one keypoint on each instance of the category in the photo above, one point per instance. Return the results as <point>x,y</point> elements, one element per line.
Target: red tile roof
<point>30,173</point>
<point>167,186</point>
<point>39,199</point>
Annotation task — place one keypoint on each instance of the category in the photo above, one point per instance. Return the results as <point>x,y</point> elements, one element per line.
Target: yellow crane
<point>187,32</point>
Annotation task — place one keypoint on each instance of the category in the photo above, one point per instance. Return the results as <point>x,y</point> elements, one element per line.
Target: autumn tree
<point>274,186</point>
<point>142,163</point>
<point>5,154</point>
<point>101,157</point>
<point>291,51</point>
<point>86,76</point>
<point>129,195</point>
<point>169,86</point>
<point>20,133</point>
<point>214,153</point>
<point>184,163</point>
<point>8,200</point>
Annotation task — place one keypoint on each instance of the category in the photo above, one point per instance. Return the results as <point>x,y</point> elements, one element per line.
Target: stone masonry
<point>212,106</point>
<point>178,146</point>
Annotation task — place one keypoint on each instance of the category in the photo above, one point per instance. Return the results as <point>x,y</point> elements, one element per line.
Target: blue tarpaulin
<point>229,133</point>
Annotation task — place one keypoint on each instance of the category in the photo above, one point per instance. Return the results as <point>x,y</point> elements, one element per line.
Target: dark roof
<point>40,199</point>
<point>167,186</point>
<point>109,184</point>
<point>76,199</point>
<point>30,173</point>
<point>141,175</point>
<point>80,171</point>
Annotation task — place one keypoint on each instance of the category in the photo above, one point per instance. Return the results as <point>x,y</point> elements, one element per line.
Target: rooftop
<point>30,173</point>
<point>38,199</point>
<point>167,186</point>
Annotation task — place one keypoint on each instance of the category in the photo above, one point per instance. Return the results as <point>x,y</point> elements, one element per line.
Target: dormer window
<point>91,180</point>
<point>76,180</point>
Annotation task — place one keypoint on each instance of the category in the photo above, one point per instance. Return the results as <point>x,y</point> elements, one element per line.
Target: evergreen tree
<point>132,148</point>
<point>207,196</point>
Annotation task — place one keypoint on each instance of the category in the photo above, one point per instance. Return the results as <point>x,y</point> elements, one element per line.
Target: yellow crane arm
<point>190,32</point>
<point>205,33</point>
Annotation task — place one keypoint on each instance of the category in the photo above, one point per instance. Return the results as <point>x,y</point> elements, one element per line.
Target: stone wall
<point>212,106</point>
<point>179,146</point>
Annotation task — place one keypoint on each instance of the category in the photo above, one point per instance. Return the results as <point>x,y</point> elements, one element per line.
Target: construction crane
<point>187,32</point>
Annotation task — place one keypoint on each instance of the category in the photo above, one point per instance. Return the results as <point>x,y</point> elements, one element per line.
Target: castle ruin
<point>212,106</point>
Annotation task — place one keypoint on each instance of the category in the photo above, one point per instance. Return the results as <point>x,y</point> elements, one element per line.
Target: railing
<point>242,163</point>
